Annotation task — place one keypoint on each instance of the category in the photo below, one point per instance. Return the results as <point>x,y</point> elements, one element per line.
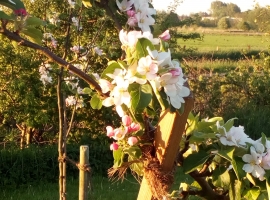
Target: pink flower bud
<point>20,12</point>
<point>132,21</point>
<point>132,140</point>
<point>165,36</point>
<point>131,13</point>
<point>126,120</point>
<point>110,131</point>
<point>114,146</point>
<point>176,71</point>
<point>134,127</point>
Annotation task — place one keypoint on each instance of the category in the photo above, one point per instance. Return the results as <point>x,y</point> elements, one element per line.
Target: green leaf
<point>251,179</point>
<point>263,196</point>
<point>96,102</point>
<point>235,190</point>
<point>3,15</point>
<point>141,96</point>
<point>228,125</point>
<point>238,164</point>
<point>141,46</point>
<point>264,139</point>
<point>88,91</point>
<point>268,186</point>
<point>134,151</point>
<point>221,177</point>
<point>34,34</point>
<point>252,193</point>
<point>137,166</point>
<point>193,161</point>
<point>205,125</point>
<point>204,135</point>
<point>87,3</point>
<point>118,157</point>
<point>14,5</point>
<point>14,44</point>
<point>192,123</point>
<point>227,153</point>
<point>112,65</point>
<point>34,21</point>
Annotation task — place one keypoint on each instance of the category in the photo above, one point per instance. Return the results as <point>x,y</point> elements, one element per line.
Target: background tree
<point>224,23</point>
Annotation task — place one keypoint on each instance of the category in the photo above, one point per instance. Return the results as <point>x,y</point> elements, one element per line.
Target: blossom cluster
<point>139,13</point>
<point>157,68</point>
<point>49,37</point>
<point>44,71</point>
<point>258,159</point>
<point>123,135</point>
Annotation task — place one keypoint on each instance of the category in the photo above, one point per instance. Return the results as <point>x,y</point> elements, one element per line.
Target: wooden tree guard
<point>167,139</point>
<point>84,175</point>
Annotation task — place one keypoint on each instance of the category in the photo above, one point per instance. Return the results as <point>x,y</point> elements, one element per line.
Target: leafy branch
<point>26,43</point>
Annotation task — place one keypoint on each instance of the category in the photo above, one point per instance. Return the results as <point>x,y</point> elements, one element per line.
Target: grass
<point>213,42</point>
<point>103,189</point>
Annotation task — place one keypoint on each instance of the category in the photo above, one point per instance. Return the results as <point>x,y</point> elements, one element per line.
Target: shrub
<point>224,23</point>
<point>33,164</point>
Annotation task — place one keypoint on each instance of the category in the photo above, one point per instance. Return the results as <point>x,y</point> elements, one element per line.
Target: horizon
<point>187,6</point>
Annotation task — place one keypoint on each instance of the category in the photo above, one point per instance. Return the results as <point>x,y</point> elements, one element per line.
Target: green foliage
<point>220,9</point>
<point>244,25</point>
<point>34,164</point>
<point>224,23</point>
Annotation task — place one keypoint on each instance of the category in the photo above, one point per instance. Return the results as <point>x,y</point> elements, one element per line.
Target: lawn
<point>103,189</point>
<point>227,42</point>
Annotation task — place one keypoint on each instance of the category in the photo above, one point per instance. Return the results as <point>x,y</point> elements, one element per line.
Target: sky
<point>195,6</point>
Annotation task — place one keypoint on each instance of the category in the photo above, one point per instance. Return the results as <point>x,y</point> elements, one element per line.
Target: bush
<point>243,93</point>
<point>224,23</point>
<point>33,164</point>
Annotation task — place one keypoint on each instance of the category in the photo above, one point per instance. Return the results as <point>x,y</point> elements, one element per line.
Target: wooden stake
<point>84,177</point>
<point>167,140</point>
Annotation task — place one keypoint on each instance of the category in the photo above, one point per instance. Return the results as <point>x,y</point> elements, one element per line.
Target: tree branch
<point>206,188</point>
<point>23,42</point>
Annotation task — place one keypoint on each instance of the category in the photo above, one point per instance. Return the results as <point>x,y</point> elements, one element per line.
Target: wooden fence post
<point>84,174</point>
<point>167,139</point>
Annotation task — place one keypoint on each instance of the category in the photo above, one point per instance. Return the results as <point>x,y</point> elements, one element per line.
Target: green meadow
<point>227,42</point>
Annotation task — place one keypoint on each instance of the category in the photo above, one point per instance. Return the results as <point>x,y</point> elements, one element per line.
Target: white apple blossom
<point>71,3</point>
<point>253,161</point>
<point>266,160</point>
<point>72,81</point>
<point>148,35</point>
<point>105,85</point>
<point>144,21</point>
<point>125,4</point>
<point>119,94</point>
<point>76,23</point>
<point>45,74</point>
<point>120,133</point>
<point>70,101</point>
<point>98,51</point>
<point>234,137</point>
<point>77,49</point>
<point>129,39</point>
<point>147,67</point>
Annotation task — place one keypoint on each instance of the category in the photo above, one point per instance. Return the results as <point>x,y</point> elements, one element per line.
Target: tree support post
<point>84,174</point>
<point>166,142</point>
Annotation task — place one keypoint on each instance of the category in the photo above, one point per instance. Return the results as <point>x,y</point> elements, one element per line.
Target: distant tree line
<point>221,15</point>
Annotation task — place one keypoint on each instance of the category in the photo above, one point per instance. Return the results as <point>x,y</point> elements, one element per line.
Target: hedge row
<point>33,164</point>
